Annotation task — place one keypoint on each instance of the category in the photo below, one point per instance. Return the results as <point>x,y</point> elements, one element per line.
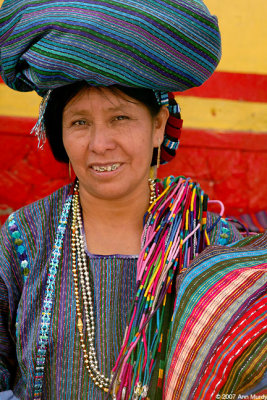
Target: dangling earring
<point>69,170</point>
<point>158,155</point>
<point>154,168</point>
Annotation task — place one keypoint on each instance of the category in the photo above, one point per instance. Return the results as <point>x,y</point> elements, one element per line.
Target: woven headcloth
<point>165,45</point>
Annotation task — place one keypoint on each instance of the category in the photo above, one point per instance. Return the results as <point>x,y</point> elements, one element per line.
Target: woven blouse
<point>114,280</point>
<point>65,376</point>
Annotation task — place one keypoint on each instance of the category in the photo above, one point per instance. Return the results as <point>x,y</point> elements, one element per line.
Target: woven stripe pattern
<point>219,334</point>
<point>169,45</point>
<point>29,235</point>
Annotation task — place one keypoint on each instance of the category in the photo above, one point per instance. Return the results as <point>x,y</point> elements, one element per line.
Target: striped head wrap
<point>164,45</point>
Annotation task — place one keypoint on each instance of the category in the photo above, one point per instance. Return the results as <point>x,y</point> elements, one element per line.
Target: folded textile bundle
<point>219,334</point>
<point>163,45</point>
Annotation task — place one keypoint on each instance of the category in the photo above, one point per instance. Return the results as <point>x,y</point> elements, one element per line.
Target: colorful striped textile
<point>168,45</point>
<point>219,332</point>
<point>254,222</point>
<point>114,285</point>
<point>26,244</point>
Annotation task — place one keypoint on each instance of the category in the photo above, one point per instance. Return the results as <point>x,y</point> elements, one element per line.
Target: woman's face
<point>109,138</point>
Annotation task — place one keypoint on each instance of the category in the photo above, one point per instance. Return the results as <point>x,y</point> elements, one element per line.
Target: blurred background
<point>224,138</point>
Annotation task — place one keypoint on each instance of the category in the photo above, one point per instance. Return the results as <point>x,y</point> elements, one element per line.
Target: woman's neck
<point>114,226</point>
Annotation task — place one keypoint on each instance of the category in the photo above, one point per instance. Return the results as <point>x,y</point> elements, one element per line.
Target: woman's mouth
<point>106,168</point>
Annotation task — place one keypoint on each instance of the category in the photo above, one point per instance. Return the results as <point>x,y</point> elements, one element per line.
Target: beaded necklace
<point>174,233</point>
<point>79,260</point>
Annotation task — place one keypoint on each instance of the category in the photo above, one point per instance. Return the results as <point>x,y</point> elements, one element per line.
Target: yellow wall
<point>244,32</point>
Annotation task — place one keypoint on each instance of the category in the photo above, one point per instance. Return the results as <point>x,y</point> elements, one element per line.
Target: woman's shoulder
<point>32,223</point>
<point>42,210</point>
<point>29,230</point>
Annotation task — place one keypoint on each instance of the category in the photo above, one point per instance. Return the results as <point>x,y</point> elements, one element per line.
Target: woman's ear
<point>160,125</point>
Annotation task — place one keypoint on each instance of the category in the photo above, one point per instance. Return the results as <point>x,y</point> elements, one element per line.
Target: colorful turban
<point>168,45</point>
<point>164,45</point>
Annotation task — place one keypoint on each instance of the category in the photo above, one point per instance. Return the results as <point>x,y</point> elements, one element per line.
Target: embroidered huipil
<point>26,245</point>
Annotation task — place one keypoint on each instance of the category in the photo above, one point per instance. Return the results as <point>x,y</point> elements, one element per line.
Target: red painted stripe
<point>207,139</point>
<point>244,141</point>
<point>232,86</point>
<point>193,139</point>
<point>16,125</point>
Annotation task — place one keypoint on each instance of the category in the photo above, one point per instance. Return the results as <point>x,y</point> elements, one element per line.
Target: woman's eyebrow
<point>70,114</point>
<point>84,111</point>
<point>118,108</point>
<point>119,105</point>
<point>77,111</point>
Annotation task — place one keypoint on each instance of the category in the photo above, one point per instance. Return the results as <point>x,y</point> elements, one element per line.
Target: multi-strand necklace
<point>80,272</point>
<point>174,233</point>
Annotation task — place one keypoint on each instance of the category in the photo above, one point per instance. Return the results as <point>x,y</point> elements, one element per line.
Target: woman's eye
<point>79,122</point>
<point>121,117</point>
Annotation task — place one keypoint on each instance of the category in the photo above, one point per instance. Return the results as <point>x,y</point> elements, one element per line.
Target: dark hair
<point>60,97</point>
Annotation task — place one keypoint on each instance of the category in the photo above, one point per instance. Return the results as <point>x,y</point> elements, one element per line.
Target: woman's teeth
<point>107,168</point>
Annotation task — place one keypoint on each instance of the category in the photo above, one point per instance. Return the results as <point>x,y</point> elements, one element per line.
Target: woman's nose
<point>101,139</point>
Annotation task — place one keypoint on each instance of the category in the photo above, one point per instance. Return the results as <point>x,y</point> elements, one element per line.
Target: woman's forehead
<point>109,98</point>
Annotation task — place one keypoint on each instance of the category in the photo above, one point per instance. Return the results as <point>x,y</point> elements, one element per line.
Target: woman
<point>94,279</point>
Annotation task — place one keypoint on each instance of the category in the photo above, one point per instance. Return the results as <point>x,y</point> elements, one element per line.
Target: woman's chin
<point>106,189</point>
<point>118,184</point>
